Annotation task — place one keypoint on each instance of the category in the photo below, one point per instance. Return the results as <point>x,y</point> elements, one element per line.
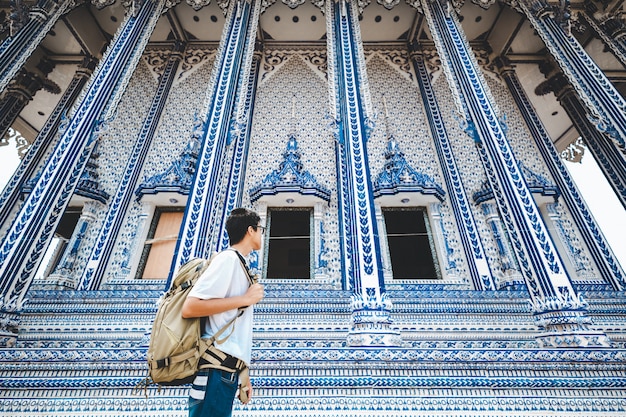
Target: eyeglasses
<point>258,226</point>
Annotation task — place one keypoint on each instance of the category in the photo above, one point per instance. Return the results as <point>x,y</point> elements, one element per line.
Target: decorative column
<point>599,249</point>
<point>560,312</point>
<point>44,141</point>
<point>609,27</point>
<point>31,232</point>
<point>604,103</point>
<point>239,139</point>
<point>231,71</point>
<point>22,90</point>
<point>351,110</point>
<point>18,47</point>
<point>480,272</point>
<point>103,247</point>
<point>610,158</point>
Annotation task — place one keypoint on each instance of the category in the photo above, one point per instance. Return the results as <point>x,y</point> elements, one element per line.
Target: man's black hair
<point>238,222</point>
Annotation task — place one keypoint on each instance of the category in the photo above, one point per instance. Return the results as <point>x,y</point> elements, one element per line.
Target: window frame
<point>267,244</point>
<point>59,244</point>
<point>145,253</point>
<point>388,265</point>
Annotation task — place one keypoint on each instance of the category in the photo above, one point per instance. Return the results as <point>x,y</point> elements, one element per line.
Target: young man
<point>217,295</point>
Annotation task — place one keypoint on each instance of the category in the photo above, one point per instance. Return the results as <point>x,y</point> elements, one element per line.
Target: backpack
<point>175,342</point>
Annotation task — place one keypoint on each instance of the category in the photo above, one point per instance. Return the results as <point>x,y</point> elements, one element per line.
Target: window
<point>58,246</point>
<point>160,245</point>
<point>410,244</point>
<point>288,248</point>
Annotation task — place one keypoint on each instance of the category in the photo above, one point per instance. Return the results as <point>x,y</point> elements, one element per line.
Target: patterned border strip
<point>581,356</point>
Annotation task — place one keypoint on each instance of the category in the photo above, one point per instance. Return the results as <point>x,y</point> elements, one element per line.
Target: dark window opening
<point>410,245</point>
<point>289,244</point>
<point>63,234</point>
<point>68,222</point>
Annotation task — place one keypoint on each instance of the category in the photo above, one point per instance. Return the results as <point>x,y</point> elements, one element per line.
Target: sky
<point>602,202</point>
<point>8,162</point>
<point>600,198</point>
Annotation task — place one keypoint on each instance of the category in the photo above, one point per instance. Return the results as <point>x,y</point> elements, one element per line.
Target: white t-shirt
<point>225,277</point>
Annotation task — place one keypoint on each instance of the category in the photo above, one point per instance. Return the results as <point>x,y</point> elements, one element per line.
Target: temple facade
<point>427,251</point>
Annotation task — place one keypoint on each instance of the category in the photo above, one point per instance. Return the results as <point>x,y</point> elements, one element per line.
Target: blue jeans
<point>212,393</point>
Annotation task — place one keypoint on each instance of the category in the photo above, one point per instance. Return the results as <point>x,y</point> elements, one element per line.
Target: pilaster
<point>559,311</point>
<point>32,230</point>
<point>360,249</point>
<point>605,104</point>
<point>93,274</point>
<point>511,275</point>
<point>579,262</point>
<point>239,141</point>
<point>231,70</point>
<point>599,249</point>
<point>480,272</point>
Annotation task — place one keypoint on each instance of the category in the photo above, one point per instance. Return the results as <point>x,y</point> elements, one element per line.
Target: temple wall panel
<point>468,163</point>
<point>292,95</point>
<point>391,80</point>
<point>120,133</point>
<point>184,104</point>
<point>518,135</point>
<point>406,120</point>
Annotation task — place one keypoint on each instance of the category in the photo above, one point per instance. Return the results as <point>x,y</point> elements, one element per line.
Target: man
<point>217,295</point>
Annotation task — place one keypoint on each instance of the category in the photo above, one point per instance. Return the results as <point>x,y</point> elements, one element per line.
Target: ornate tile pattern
<point>294,81</point>
<point>462,352</point>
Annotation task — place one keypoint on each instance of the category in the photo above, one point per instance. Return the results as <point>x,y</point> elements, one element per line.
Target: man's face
<point>257,236</point>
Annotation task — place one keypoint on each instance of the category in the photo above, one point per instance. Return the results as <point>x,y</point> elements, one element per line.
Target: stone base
<point>366,338</point>
<point>569,329</point>
<point>372,328</point>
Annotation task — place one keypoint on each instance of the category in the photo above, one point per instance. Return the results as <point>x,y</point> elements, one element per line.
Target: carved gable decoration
<point>290,178</point>
<point>398,176</point>
<point>537,184</point>
<point>178,177</point>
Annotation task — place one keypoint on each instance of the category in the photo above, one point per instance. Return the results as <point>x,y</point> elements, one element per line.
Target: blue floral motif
<point>290,177</point>
<point>178,177</point>
<point>398,176</point>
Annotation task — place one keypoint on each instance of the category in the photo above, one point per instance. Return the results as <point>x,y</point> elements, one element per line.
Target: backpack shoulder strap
<point>252,279</point>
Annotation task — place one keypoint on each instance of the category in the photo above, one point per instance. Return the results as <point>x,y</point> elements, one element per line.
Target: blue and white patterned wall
<point>463,352</point>
<point>184,104</point>
<point>289,77</point>
<point>393,81</point>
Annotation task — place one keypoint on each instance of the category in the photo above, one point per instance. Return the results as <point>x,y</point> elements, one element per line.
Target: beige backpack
<point>176,345</point>
<point>175,342</point>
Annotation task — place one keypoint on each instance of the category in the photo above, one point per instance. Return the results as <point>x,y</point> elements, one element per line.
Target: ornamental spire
<point>290,177</point>
<point>398,175</point>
